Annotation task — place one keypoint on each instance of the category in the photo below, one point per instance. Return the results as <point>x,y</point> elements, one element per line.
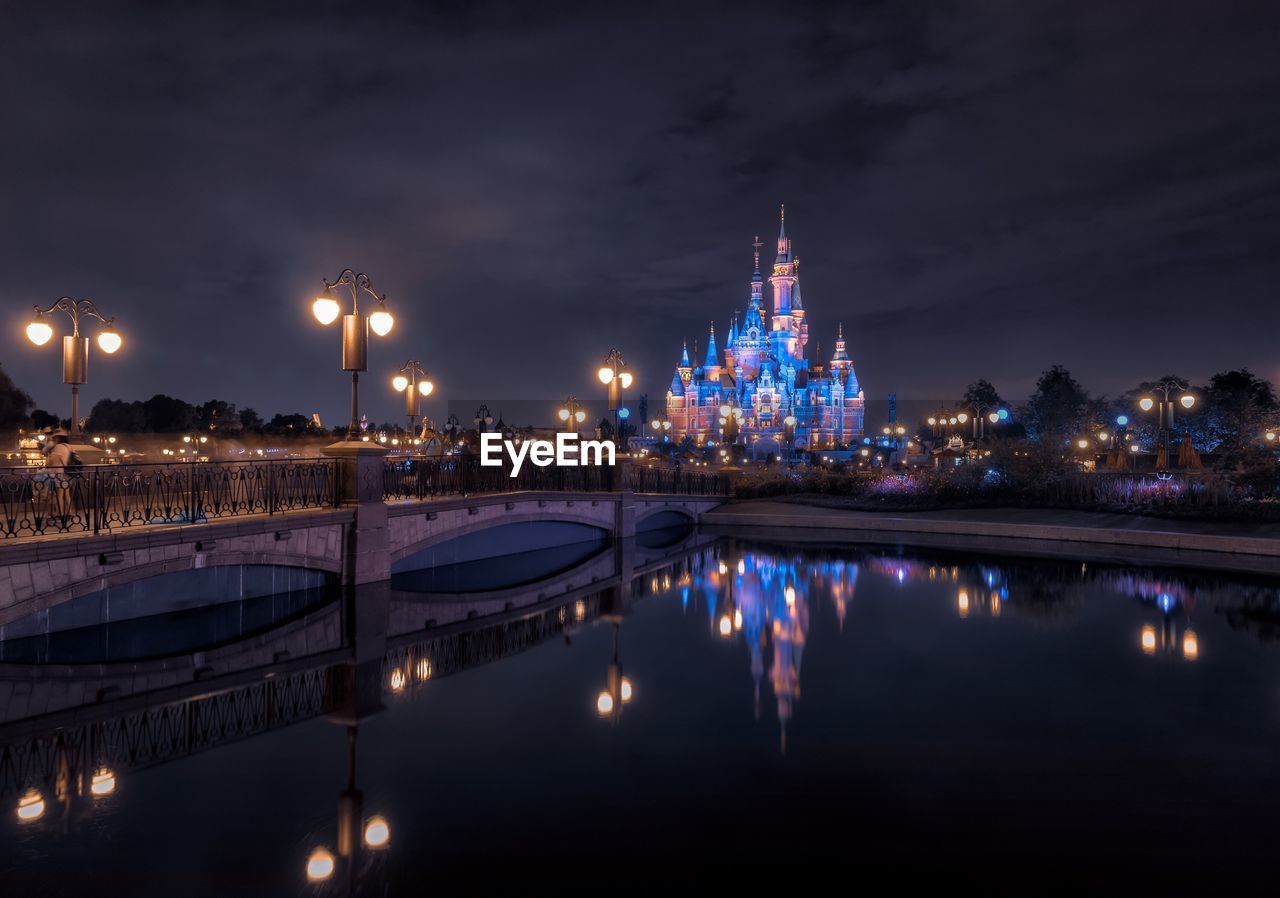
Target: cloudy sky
<point>975,190</point>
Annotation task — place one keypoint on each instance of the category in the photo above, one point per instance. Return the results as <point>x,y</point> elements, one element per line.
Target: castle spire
<point>712,360</point>
<point>756,276</point>
<point>784,245</point>
<point>684,356</point>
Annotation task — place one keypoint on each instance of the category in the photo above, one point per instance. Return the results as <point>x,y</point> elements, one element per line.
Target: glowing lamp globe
<point>789,421</point>
<point>994,417</point>
<point>425,387</point>
<point>604,704</point>
<point>626,690</point>
<point>1122,420</point>
<point>109,340</point>
<point>320,865</point>
<point>30,807</point>
<point>39,332</point>
<point>1187,401</point>
<point>103,783</point>
<point>1083,444</point>
<point>726,626</point>
<point>933,421</point>
<point>399,382</point>
<point>564,414</point>
<point>962,417</point>
<point>1190,645</point>
<point>625,379</point>
<point>724,410</point>
<point>1146,403</point>
<point>655,423</point>
<point>1271,436</point>
<point>381,322</point>
<point>377,833</point>
<point>580,416</point>
<point>325,309</point>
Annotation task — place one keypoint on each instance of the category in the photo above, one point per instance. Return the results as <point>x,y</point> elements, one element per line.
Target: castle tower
<point>785,335</point>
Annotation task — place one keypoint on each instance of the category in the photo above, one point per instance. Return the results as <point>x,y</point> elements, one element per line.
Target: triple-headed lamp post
<point>414,383</point>
<point>355,330</point>
<point>75,348</point>
<point>615,376</point>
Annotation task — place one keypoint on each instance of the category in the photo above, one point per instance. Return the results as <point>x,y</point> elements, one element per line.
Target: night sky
<point>976,190</point>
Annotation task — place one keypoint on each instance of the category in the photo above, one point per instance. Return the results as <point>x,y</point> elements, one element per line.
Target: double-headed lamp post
<point>75,348</point>
<point>615,376</point>
<point>1165,406</point>
<point>986,413</point>
<point>414,383</point>
<point>355,329</point>
<point>572,414</point>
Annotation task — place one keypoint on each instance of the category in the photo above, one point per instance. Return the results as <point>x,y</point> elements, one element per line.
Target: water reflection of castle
<point>767,600</point>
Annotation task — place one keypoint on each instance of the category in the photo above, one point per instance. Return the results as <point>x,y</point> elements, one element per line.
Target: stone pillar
<point>367,556</point>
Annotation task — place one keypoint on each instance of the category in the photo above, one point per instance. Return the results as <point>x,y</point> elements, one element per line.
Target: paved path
<point>1189,541</point>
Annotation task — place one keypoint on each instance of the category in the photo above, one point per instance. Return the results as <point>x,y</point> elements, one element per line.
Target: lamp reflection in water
<point>618,690</point>
<point>75,790</point>
<point>355,834</point>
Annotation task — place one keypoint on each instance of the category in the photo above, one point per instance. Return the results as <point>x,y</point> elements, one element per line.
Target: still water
<point>744,715</point>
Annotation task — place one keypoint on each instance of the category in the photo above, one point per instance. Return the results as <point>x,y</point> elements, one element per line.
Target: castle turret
<point>711,365</point>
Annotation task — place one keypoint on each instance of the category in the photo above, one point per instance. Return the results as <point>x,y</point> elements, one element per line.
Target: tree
<point>1238,407</point>
<point>41,420</point>
<point>981,393</point>
<point>288,425</point>
<point>250,420</point>
<point>1060,408</point>
<point>15,405</point>
<point>164,414</point>
<point>220,416</point>
<point>117,416</point>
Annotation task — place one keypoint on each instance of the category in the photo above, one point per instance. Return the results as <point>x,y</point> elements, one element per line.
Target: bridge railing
<point>409,478</point>
<point>413,478</point>
<point>643,479</point>
<point>105,498</point>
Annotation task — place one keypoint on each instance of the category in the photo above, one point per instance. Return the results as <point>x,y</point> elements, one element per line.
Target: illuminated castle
<point>764,372</point>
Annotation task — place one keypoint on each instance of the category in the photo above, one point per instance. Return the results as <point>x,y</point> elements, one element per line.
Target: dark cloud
<point>976,190</point>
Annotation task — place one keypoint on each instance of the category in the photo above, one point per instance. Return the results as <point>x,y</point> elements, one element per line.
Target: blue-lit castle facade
<point>764,371</point>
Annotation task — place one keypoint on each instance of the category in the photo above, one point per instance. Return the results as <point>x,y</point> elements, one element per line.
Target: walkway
<point>1041,531</point>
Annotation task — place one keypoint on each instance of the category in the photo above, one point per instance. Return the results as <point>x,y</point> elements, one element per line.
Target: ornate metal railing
<point>103,498</point>
<point>409,478</point>
<point>642,479</point>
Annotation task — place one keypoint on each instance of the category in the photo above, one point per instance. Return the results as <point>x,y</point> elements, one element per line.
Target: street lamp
<point>1165,406</point>
<point>413,388</point>
<point>730,420</point>
<point>355,329</point>
<point>483,420</point>
<point>615,376</point>
<point>75,348</point>
<point>572,414</point>
<point>789,435</point>
<point>982,414</point>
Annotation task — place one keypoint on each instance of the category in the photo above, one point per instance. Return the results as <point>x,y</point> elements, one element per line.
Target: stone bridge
<point>373,645</point>
<point>363,539</point>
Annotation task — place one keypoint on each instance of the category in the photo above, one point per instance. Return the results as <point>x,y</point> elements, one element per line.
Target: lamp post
<point>615,376</point>
<point>483,420</point>
<point>355,329</point>
<point>75,348</point>
<point>730,420</point>
<point>789,435</point>
<point>986,413</point>
<point>413,388</point>
<point>1165,406</point>
<point>572,414</point>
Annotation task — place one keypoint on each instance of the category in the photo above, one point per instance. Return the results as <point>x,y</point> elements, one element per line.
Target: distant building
<point>764,372</point>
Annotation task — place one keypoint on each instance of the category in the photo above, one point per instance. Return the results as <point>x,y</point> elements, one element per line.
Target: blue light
<point>1003,414</point>
<point>1122,420</point>
<point>624,413</point>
